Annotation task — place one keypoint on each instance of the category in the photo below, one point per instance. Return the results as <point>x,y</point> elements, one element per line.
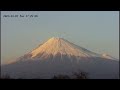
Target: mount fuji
<point>59,56</point>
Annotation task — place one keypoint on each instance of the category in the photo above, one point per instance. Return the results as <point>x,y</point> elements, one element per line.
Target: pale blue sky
<point>97,31</point>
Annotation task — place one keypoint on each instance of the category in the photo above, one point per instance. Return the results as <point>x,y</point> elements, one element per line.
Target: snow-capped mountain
<point>59,46</point>
<point>57,56</point>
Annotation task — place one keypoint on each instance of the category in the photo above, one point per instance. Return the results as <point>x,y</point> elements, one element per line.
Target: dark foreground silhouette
<point>76,75</point>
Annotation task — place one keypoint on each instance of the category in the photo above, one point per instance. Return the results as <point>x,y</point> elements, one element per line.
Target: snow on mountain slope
<point>108,56</point>
<point>55,48</point>
<point>59,45</point>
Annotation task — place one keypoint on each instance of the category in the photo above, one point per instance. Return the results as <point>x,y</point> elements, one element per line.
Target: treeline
<point>75,75</point>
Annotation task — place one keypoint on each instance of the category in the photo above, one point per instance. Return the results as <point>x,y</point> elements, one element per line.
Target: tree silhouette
<point>76,75</point>
<point>80,75</point>
<point>5,77</point>
<point>61,77</point>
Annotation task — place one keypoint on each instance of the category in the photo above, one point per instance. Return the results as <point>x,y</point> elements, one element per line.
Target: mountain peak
<point>55,38</point>
<point>56,45</point>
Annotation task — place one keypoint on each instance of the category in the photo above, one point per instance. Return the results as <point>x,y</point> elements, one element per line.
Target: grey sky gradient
<point>97,31</point>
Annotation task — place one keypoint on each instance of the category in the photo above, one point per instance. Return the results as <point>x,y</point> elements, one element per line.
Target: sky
<point>97,31</point>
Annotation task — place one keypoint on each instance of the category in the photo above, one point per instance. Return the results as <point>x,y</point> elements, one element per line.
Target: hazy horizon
<point>97,31</point>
